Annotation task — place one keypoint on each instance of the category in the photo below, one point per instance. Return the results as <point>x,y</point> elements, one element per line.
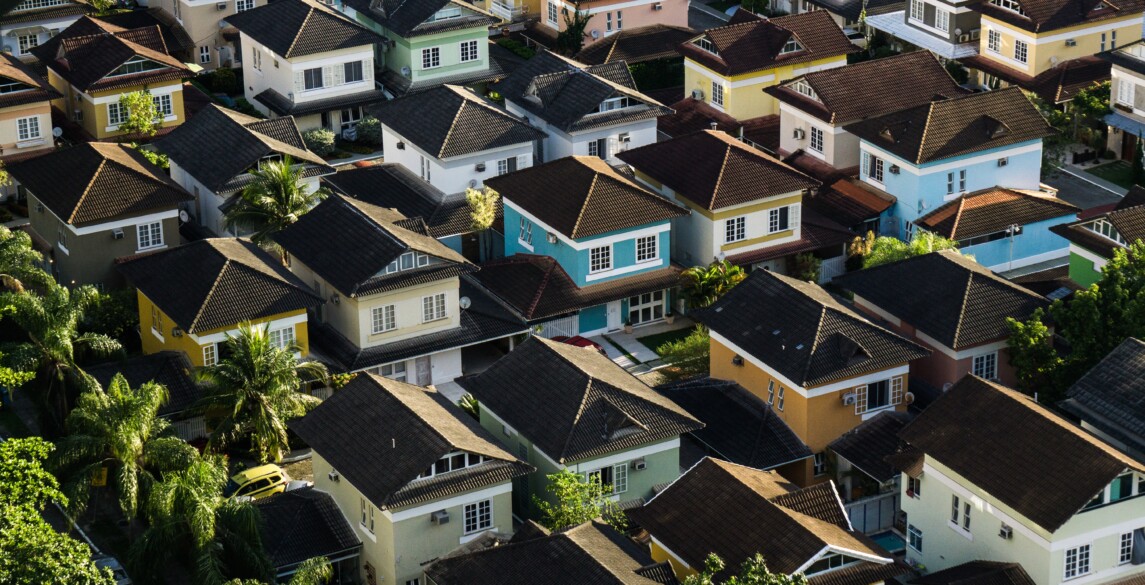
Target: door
<point>614,315</point>
<point>646,308</point>
<point>422,365</point>
<point>1128,146</point>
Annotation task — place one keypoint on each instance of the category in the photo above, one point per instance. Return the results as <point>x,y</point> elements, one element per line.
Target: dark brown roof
<point>814,340</point>
<point>71,8</point>
<point>815,233</point>
<point>637,45</point>
<point>1002,442</point>
<point>172,369</point>
<point>1046,15</point>
<point>574,403</point>
<point>953,299</point>
<point>849,201</point>
<point>843,93</point>
<point>392,185</point>
<point>868,445</point>
<point>1128,217</point>
<point>714,170</point>
<point>35,90</point>
<point>412,18</point>
<point>1108,397</point>
<point>978,573</point>
<point>380,434</point>
<point>993,210</point>
<point>296,28</point>
<point>692,115</point>
<point>104,182</point>
<point>216,283</point>
<point>1055,85</point>
<point>756,44</point>
<point>957,126</point>
<point>301,524</point>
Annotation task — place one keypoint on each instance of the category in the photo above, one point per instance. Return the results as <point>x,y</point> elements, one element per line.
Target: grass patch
<point>1117,172</point>
<point>653,342</point>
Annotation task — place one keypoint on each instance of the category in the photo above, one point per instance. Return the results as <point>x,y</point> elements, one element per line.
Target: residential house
<point>737,512</point>
<point>111,202</point>
<point>868,484</point>
<point>1100,232</point>
<point>306,523</point>
<point>415,476</point>
<point>606,18</point>
<point>1105,399</point>
<point>567,408</point>
<point>32,22</point>
<point>218,181</point>
<point>971,459</point>
<point>93,63</point>
<point>204,23</point>
<point>453,139</point>
<point>693,115</point>
<point>951,29</point>
<point>853,16</point>
<point>25,111</point>
<point>576,247</point>
<point>814,107</point>
<point>656,42</point>
<point>729,66</point>
<point>397,303</point>
<point>304,59</point>
<point>977,573</point>
<point>984,140</point>
<point>592,110</point>
<point>820,365</point>
<point>1127,119</point>
<point>592,552</point>
<point>955,306</point>
<point>192,296</point>
<point>173,371</point>
<point>746,207</point>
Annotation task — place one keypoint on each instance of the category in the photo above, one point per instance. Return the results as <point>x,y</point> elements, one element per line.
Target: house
<point>984,140</point>
<point>304,59</point>
<point>398,305</point>
<point>645,44</point>
<point>978,573</point>
<point>415,476</point>
<point>592,110</point>
<point>737,512</point>
<point>565,217</point>
<point>1100,232</point>
<point>729,66</point>
<point>693,115</point>
<point>192,296</point>
<point>218,181</point>
<point>1127,118</point>
<point>606,18</point>
<point>814,107</point>
<point>971,459</point>
<point>822,366</point>
<point>173,371</point>
<point>853,16</point>
<point>955,306</point>
<point>568,408</point>
<point>31,23</point>
<point>1105,399</point>
<point>951,29</point>
<point>111,202</point>
<point>746,207</point>
<point>25,111</point>
<point>204,23</point>
<point>92,63</point>
<point>592,552</point>
<point>868,484</point>
<point>305,523</point>
<point>453,139</point>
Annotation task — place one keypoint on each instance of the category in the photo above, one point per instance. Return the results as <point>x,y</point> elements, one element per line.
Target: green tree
<point>274,199</point>
<point>142,115</point>
<point>253,391</point>
<point>1138,167</point>
<point>571,40</point>
<point>885,249</point>
<point>578,502</point>
<point>118,429</point>
<point>482,213</point>
<point>21,266</point>
<point>5,178</point>
<point>689,356</point>
<point>313,571</point>
<point>753,571</point>
<point>806,267</point>
<point>1033,356</point>
<point>704,285</point>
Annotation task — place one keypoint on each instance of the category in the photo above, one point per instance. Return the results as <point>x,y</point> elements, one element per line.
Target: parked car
<point>580,342</point>
<point>257,482</point>
<point>111,563</point>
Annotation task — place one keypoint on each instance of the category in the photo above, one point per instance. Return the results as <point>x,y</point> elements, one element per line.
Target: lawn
<point>653,342</point>
<point>1118,172</point>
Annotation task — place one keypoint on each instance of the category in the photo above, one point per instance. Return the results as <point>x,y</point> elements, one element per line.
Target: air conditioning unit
<point>640,464</point>
<point>625,138</point>
<point>848,399</point>
<point>333,475</point>
<point>894,169</point>
<point>439,517</point>
<point>480,167</point>
<point>657,6</point>
<point>1006,532</point>
<point>220,6</point>
<point>117,234</point>
<point>697,94</point>
<point>964,38</point>
<point>1003,161</point>
<point>799,134</point>
<point>975,34</point>
<point>1071,42</point>
<point>401,145</point>
<point>176,332</point>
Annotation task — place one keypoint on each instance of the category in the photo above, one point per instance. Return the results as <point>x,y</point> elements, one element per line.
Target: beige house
<point>25,111</point>
<point>202,21</point>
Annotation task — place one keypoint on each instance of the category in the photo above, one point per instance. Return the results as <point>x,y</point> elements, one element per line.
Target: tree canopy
<point>753,571</point>
<point>876,250</point>
<point>577,502</point>
<point>704,285</point>
<point>141,115</point>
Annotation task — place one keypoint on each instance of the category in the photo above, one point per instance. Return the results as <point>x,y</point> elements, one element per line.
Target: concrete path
<point>451,390</point>
<point>1083,189</point>
<point>640,358</point>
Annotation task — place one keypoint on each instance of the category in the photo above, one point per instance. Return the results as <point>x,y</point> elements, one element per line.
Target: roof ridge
<point>425,392</point>
<point>580,410</point>
<point>720,178</point>
<point>541,289</point>
<point>583,207</point>
<point>961,206</point>
<point>87,189</point>
<point>814,343</point>
<point>452,127</point>
<point>962,306</point>
<point>211,292</point>
<point>925,130</point>
<point>297,35</point>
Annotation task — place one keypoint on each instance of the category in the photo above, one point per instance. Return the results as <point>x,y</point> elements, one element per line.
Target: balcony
<point>508,12</point>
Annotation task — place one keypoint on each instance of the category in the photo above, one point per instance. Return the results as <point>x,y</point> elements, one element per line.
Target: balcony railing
<point>507,11</point>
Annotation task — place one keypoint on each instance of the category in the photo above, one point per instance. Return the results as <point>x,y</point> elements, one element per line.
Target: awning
<point>1125,124</point>
<point>28,30</point>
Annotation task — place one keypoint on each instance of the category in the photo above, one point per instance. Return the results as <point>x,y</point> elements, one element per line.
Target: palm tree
<point>274,199</point>
<point>312,571</point>
<point>704,285</point>
<point>118,428</point>
<point>20,264</point>
<point>254,391</point>
<point>192,521</point>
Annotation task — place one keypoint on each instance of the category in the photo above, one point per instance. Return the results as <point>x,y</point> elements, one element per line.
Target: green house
<point>1093,239</point>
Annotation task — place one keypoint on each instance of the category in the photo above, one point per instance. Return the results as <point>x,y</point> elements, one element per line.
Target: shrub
<point>517,47</point>
<point>370,131</point>
<point>245,107</point>
<point>320,141</point>
<point>224,80</point>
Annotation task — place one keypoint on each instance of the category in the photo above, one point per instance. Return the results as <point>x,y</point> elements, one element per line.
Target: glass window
<point>526,233</point>
<point>136,66</point>
<point>313,78</point>
<point>210,354</point>
<point>770,391</point>
<point>1008,5</point>
<point>619,19</point>
<point>28,128</point>
<point>608,21</point>
<point>916,10</point>
<point>873,167</point>
<point>646,248</point>
<point>552,13</point>
<point>1125,549</point>
<point>163,105</point>
<point>150,235</point>
<point>878,394</point>
<point>942,20</point>
<point>352,72</point>
<point>791,46</point>
<point>706,44</point>
<point>914,487</point>
<point>914,537</point>
<point>383,319</point>
<point>600,259</point>
<point>777,220</point>
<point>955,508</point>
<point>735,229</point>
<point>27,43</point>
<point>1076,561</point>
<point>282,338</point>
<point>819,465</point>
<point>204,51</point>
<point>433,307</point>
<point>986,366</point>
<point>1021,51</point>
<point>394,371</point>
<point>816,139</point>
<point>779,405</point>
<point>241,5</point>
<point>620,478</point>
<point>431,58</point>
<point>717,93</point>
<point>468,51</point>
<point>116,114</point>
<point>994,41</point>
<point>478,516</point>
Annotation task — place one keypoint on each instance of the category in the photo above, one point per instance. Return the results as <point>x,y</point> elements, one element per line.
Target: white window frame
<point>204,51</point>
<point>1125,549</point>
<point>1080,564</point>
<point>779,403</point>
<point>25,43</point>
<point>308,77</point>
<point>873,168</point>
<point>210,354</point>
<point>163,105</point>
<point>775,220</point>
<point>1125,91</point>
<point>735,229</point>
<point>619,19</point>
<point>914,537</point>
<point>819,464</point>
<point>28,128</point>
<point>242,5</point>
<point>525,236</point>
<point>468,50</point>
<point>393,371</point>
<point>282,337</point>
<point>986,363</point>
<point>648,248</point>
<point>600,259</point>
<point>367,515</point>
<point>917,10</point>
<point>942,20</point>
<point>481,515</point>
<point>717,93</point>
<point>1021,51</point>
<point>383,319</point>
<point>433,308</point>
<point>553,14</point>
<point>149,235</point>
<point>993,41</point>
<point>116,114</point>
<point>816,143</point>
<point>607,22</point>
<point>431,58</point>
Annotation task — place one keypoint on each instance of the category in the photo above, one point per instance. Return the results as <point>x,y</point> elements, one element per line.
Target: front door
<point>1128,146</point>
<point>421,364</point>
<point>614,315</point>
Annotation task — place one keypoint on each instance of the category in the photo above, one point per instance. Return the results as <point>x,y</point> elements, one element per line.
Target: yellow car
<point>257,482</point>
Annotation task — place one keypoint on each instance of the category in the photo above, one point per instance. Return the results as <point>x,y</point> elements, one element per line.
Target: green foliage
<point>704,285</point>
<point>689,356</point>
<point>885,249</point>
<point>114,314</point>
<point>519,48</point>
<point>339,381</point>
<point>224,80</point>
<point>5,178</point>
<point>571,40</point>
<point>370,131</point>
<point>320,141</point>
<point>1053,147</point>
<point>1138,169</point>
<point>1092,104</point>
<point>142,114</point>
<point>1033,356</point>
<point>20,264</point>
<point>274,199</point>
<point>658,74</point>
<point>470,406</point>
<point>578,502</point>
<point>807,267</point>
<point>482,208</point>
<point>156,158</point>
<point>753,571</point>
<point>312,571</point>
<point>102,7</point>
<point>958,72</point>
<point>245,107</point>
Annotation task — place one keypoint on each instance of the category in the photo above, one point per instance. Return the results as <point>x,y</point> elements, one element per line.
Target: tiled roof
<point>752,45</point>
<point>172,369</point>
<point>978,573</point>
<point>246,141</point>
<point>412,18</point>
<point>574,403</point>
<point>637,45</point>
<point>849,201</point>
<point>296,28</point>
<point>217,282</point>
<point>868,445</point>
<point>952,299</point>
<point>738,427</point>
<point>380,434</point>
<point>816,233</point>
<point>592,552</point>
<point>1056,85</point>
<point>72,8</point>
<point>993,210</point>
<point>1042,16</point>
<point>36,90</point>
<point>1123,56</point>
<point>302,524</point>
<point>855,10</point>
<point>179,43</point>
<point>715,171</point>
<point>742,511</point>
<point>89,50</point>
<point>104,182</point>
<point>582,197</point>
<point>814,340</point>
<point>1128,217</point>
<point>449,121</point>
<point>902,81</point>
<point>1109,395</point>
<point>284,106</point>
<point>957,126</point>
<point>692,115</point>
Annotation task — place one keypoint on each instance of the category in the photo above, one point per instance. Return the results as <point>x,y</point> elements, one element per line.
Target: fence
<point>873,514</point>
<point>567,326</point>
<point>190,429</point>
<point>832,267</point>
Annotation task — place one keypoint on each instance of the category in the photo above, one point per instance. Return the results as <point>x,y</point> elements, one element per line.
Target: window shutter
<point>299,81</point>
<point>511,162</point>
<point>368,69</point>
<point>613,146</point>
<point>896,390</point>
<point>860,399</point>
<point>866,163</point>
<point>524,161</point>
<point>337,73</point>
<point>793,212</point>
<point>328,76</point>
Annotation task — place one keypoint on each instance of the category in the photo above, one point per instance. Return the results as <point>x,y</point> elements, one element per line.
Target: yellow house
<point>92,63</point>
<point>728,67</point>
<point>25,111</point>
<point>192,296</point>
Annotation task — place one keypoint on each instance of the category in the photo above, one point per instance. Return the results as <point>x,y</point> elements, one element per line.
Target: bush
<point>224,80</point>
<point>245,107</point>
<point>517,47</point>
<point>320,141</point>
<point>5,215</point>
<point>115,314</point>
<point>156,158</point>
<point>370,131</point>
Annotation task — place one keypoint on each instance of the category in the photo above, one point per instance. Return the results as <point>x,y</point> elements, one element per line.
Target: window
<point>770,391</point>
<point>552,13</point>
<point>960,513</point>
<point>1076,561</point>
<point>916,10</point>
<point>914,487</point>
<point>447,13</point>
<point>468,51</point>
<point>281,338</point>
<point>150,235</point>
<point>914,537</point>
<point>313,78</point>
<point>717,93</point>
<point>210,354</point>
<point>594,148</point>
<point>600,259</point>
<point>804,88</point>
<point>383,319</point>
<point>34,4</point>
<point>1112,38</point>
<point>962,180</point>
<point>1021,51</point>
<point>241,5</point>
<point>256,58</point>
<point>942,20</point>
<point>777,220</point>
<point>735,229</point>
<point>163,106</point>
<point>156,320</point>
<point>949,183</point>
<point>619,19</point>
<point>367,515</point>
<point>431,58</point>
<point>955,508</point>
<point>610,104</point>
<point>1125,91</point>
<point>706,44</point>
<point>1125,549</point>
<point>878,394</point>
<point>478,516</point>
<point>994,41</point>
<point>526,233</point>
<point>791,46</point>
<point>819,464</point>
<point>1008,5</point>
<point>452,462</point>
<point>433,307</point>
<point>873,167</point>
<point>27,43</point>
<point>204,51</point>
<point>779,405</point>
<point>646,248</point>
<point>394,371</point>
<point>1103,227</point>
<point>413,582</point>
<point>1102,41</point>
<point>608,21</point>
<point>816,139</point>
<point>352,72</point>
<point>506,165</point>
<point>425,169</point>
<point>28,128</point>
<point>614,477</point>
<point>136,66</point>
<point>116,114</point>
<point>986,366</point>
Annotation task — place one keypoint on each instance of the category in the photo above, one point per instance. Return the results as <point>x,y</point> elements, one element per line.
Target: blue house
<point>587,249</point>
<point>930,155</point>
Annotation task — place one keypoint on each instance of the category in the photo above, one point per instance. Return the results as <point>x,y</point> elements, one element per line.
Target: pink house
<point>609,17</point>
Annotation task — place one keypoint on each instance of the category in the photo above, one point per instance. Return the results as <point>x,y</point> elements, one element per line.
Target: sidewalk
<point>640,358</point>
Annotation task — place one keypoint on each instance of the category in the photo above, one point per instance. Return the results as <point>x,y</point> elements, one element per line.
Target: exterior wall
<point>633,15</point>
<point>840,148</point>
<point>205,208</point>
<point>960,17</point>
<point>1035,244</point>
<point>9,138</point>
<point>408,53</point>
<point>54,25</point>
<point>743,94</point>
<point>1085,266</point>
<point>661,554</point>
<point>93,107</point>
<point>452,175</point>
<point>1049,48</point>
<point>560,144</point>
<point>201,19</point>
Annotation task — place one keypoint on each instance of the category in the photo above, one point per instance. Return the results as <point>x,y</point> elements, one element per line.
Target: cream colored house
<point>25,111</point>
<point>201,19</point>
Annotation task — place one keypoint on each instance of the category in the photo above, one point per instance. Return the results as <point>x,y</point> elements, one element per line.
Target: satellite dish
<point>464,302</point>
<point>472,183</point>
<point>595,34</point>
<point>57,131</point>
<point>184,217</point>
<point>405,71</point>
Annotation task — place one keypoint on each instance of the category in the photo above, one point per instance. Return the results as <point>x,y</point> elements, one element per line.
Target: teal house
<point>587,250</point>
